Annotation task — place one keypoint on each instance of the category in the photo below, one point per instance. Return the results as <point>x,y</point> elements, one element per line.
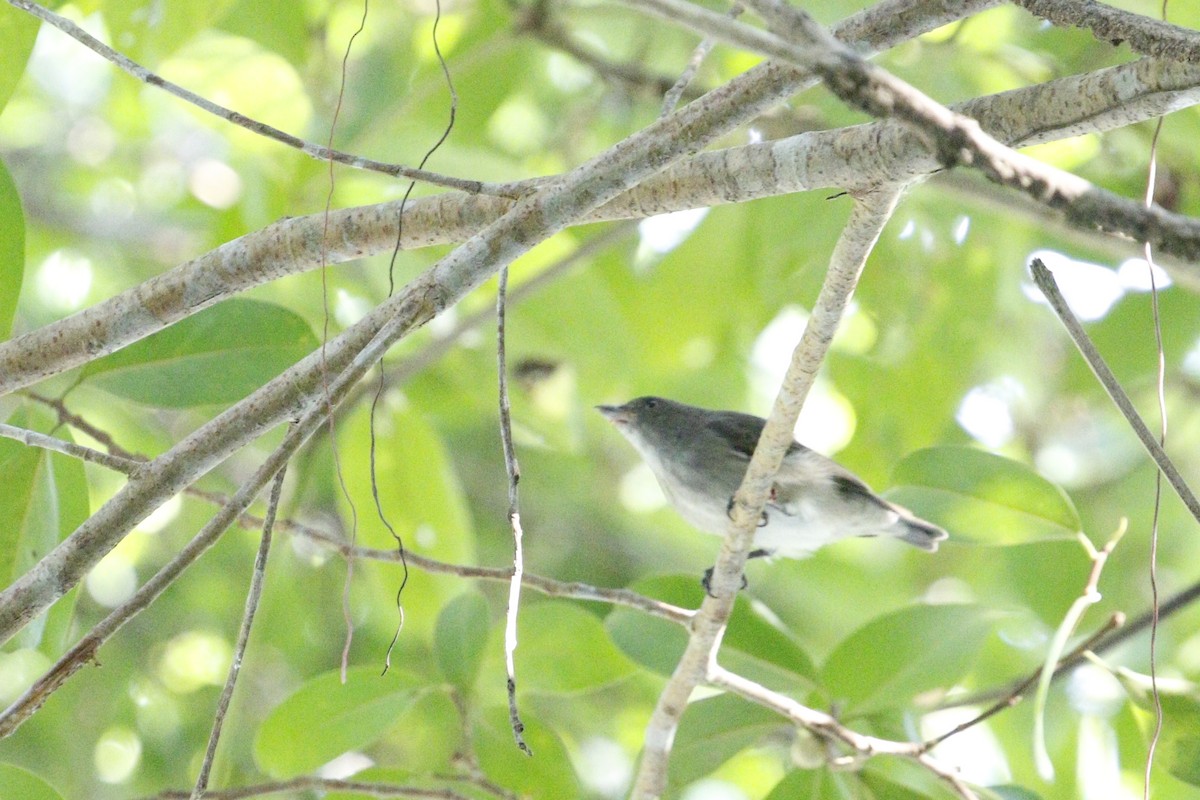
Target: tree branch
<point>887,151</point>
<point>300,244</point>
<point>953,139</point>
<point>1144,35</point>
<point>827,727</point>
<point>319,152</point>
<point>1045,281</point>
<point>867,219</point>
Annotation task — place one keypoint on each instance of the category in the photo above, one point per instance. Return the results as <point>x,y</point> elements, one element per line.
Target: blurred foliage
<point>945,371</point>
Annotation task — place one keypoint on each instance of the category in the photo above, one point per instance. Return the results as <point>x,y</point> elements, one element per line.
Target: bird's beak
<point>618,415</point>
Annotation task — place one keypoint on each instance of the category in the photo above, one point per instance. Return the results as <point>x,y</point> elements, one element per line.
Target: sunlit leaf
<point>44,499</point>
<point>325,718</point>
<point>12,230</point>
<point>753,645</point>
<point>894,658</point>
<point>713,731</point>
<point>560,648</point>
<point>19,783</point>
<point>18,31</point>
<point>983,498</point>
<point>219,355</point>
<point>546,776</point>
<point>460,637</point>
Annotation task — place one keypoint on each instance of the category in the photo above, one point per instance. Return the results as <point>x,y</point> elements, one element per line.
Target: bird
<point>699,457</point>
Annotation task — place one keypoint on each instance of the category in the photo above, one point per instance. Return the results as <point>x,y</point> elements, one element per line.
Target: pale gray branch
<point>866,221</point>
<point>886,151</point>
<point>295,245</point>
<point>1144,35</point>
<point>317,151</point>
<point>953,139</point>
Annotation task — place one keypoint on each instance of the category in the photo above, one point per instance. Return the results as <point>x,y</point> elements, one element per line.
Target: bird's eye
<point>651,403</point>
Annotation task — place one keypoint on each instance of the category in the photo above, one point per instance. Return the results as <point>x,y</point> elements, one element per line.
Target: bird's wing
<point>741,432</point>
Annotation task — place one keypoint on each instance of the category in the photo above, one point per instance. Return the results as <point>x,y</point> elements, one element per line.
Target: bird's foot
<point>706,582</point>
<point>762,520</point>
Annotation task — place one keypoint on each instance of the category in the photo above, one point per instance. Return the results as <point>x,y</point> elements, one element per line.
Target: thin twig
<point>1088,597</point>
<point>253,596</point>
<point>316,151</point>
<point>827,727</point>
<point>675,93</point>
<point>331,416</point>
<point>125,466</point>
<point>1017,693</point>
<point>382,366</point>
<point>513,469</point>
<point>321,786</point>
<point>1046,283</point>
<point>1114,637</point>
<point>1161,393</point>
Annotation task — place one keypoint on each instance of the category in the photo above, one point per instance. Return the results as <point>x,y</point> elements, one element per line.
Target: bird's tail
<point>920,533</point>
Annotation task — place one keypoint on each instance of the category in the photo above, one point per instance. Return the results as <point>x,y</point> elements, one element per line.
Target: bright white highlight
<point>1091,290</point>
<point>215,184</point>
<point>663,233</point>
<point>986,411</point>
<point>64,280</point>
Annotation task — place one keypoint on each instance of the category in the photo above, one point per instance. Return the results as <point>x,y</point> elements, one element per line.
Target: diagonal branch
<point>1145,35</point>
<point>826,726</point>
<point>952,138</point>
<point>312,149</point>
<point>297,245</point>
<point>530,221</point>
<point>867,219</point>
<point>1049,287</point>
<point>887,151</point>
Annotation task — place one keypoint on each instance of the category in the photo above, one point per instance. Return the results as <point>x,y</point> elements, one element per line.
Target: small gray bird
<point>700,457</point>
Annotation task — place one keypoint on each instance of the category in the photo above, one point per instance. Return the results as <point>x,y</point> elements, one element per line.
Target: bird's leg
<point>763,519</point>
<point>708,573</point>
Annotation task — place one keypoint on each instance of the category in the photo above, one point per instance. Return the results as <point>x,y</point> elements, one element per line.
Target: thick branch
<point>295,245</point>
<point>888,151</point>
<point>1144,35</point>
<point>952,138</point>
<point>529,222</point>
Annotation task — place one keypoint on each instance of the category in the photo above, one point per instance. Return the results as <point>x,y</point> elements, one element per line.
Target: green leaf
<point>1179,752</point>
<point>1008,792</point>
<point>217,356</point>
<point>45,498</point>
<point>278,25</point>
<point>754,646</point>
<point>547,775</point>
<point>19,783</point>
<point>892,659</point>
<point>147,34</point>
<point>12,236</point>
<point>324,718</point>
<point>419,490</point>
<point>18,31</point>
<point>560,648</point>
<point>822,784</point>
<point>713,731</point>
<point>983,498</point>
<point>460,638</point>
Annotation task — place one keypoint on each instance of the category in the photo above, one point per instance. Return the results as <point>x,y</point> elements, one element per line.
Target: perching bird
<point>700,457</point>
